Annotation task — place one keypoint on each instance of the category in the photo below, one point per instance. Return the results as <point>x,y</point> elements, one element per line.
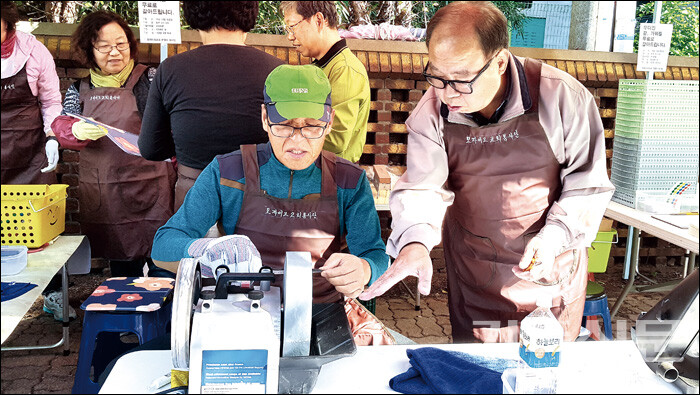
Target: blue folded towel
<point>11,290</point>
<point>435,371</point>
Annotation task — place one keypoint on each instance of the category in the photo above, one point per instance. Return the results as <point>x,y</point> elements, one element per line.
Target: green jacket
<point>350,97</point>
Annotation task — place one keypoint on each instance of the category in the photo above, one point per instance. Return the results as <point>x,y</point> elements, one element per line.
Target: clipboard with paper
<point>126,141</point>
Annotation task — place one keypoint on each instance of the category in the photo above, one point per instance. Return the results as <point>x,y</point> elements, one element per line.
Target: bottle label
<point>539,357</point>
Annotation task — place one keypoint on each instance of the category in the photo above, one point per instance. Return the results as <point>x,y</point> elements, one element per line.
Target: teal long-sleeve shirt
<point>212,198</point>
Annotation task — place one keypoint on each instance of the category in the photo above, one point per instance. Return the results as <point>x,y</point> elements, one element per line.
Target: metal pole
<point>657,19</point>
<point>164,51</point>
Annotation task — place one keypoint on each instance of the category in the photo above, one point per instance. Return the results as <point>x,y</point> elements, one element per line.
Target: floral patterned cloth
<point>143,294</point>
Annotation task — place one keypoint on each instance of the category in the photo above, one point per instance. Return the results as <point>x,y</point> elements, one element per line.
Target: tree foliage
<point>406,13</point>
<point>684,17</point>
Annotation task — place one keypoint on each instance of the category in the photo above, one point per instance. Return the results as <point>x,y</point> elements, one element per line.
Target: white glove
<point>51,155</point>
<point>236,252</point>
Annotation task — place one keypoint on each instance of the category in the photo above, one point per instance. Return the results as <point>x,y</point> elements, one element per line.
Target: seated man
<point>286,195</point>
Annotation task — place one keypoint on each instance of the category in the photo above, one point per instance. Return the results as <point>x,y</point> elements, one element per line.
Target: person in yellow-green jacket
<point>312,27</point>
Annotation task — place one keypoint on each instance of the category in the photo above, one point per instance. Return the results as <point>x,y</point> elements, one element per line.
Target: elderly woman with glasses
<point>286,195</point>
<point>123,197</point>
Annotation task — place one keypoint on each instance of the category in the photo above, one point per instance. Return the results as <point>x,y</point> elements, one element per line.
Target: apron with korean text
<point>505,178</point>
<point>312,224</point>
<point>124,198</point>
<point>313,221</point>
<point>23,137</point>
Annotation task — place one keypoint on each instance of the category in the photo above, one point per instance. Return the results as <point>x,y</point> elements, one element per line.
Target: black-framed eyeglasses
<point>108,48</point>
<point>310,132</point>
<point>290,29</point>
<point>458,85</point>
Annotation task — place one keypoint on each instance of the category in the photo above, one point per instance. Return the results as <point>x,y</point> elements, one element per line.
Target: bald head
<point>463,24</point>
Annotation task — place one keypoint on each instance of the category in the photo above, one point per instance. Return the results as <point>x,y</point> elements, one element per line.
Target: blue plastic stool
<point>598,306</point>
<point>131,311</point>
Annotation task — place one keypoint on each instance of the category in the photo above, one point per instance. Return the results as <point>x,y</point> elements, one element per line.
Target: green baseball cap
<point>297,92</point>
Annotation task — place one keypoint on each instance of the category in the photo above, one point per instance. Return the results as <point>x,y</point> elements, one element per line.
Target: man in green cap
<point>286,195</point>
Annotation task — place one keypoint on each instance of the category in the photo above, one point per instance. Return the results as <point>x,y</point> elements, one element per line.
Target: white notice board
<point>654,45</point>
<point>159,22</point>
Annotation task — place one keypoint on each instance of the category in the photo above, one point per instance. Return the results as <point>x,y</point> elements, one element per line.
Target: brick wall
<point>396,84</point>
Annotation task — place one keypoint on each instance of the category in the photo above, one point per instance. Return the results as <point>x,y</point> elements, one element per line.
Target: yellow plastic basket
<point>32,215</point>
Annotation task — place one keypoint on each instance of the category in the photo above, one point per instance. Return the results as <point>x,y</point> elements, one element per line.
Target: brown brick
<point>52,45</point>
<point>381,138</point>
<point>373,58</point>
<point>64,84</point>
<point>304,60</point>
<point>70,179</point>
<point>399,106</point>
<point>375,127</point>
<point>400,84</point>
<point>376,105</point>
<point>77,73</point>
<point>607,113</point>
<point>381,159</point>
<point>417,61</point>
<point>63,168</point>
<point>415,95</point>
<point>422,85</point>
<point>70,156</point>
<point>384,63</point>
<point>394,149</point>
<point>72,205</point>
<point>362,56</point>
<point>406,65</point>
<point>383,95</point>
<point>694,73</point>
<point>383,116</point>
<point>606,92</point>
<point>376,83</point>
<point>398,128</point>
<point>61,72</point>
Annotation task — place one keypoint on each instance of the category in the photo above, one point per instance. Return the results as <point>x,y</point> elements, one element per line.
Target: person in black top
<point>207,101</point>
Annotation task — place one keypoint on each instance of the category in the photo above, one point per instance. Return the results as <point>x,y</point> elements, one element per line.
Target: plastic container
<point>660,202</point>
<point>541,336</point>
<point>32,215</point>
<point>14,260</point>
<point>599,252</point>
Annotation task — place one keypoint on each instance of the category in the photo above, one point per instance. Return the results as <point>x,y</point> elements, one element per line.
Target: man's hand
<point>540,255</point>
<point>86,131</point>
<point>51,155</point>
<point>347,273</point>
<point>413,260</point>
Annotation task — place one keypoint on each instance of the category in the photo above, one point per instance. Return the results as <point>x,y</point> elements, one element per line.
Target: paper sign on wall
<point>654,45</point>
<point>159,22</point>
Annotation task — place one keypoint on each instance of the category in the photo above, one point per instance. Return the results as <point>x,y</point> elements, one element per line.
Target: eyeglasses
<point>457,85</point>
<point>310,132</point>
<point>108,48</point>
<point>290,29</point>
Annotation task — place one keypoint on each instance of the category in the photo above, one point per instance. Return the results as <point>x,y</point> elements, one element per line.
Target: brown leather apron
<point>124,198</point>
<point>23,138</point>
<point>313,220</point>
<point>505,178</point>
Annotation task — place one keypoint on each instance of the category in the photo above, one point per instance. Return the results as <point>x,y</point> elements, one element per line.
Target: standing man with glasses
<point>513,150</point>
<point>312,27</point>
<point>286,195</point>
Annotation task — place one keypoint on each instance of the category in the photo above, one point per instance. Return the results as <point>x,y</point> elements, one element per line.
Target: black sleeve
<point>141,89</point>
<point>156,139</point>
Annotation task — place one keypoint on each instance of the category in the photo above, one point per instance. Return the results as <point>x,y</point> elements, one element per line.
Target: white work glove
<point>87,131</point>
<point>51,155</point>
<point>236,252</point>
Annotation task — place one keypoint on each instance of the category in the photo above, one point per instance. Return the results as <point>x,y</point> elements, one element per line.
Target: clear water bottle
<point>541,337</point>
